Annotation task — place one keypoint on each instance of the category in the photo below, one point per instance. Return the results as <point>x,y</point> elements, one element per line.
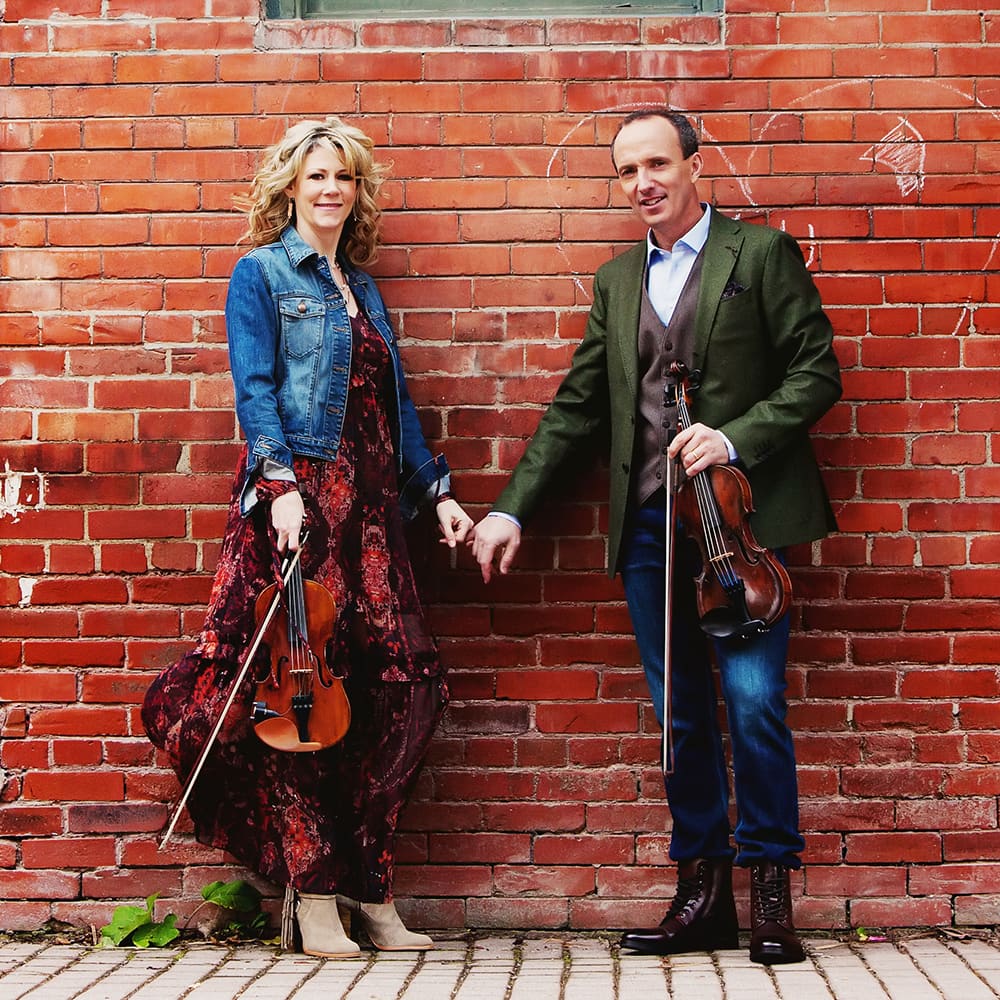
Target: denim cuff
<point>424,486</point>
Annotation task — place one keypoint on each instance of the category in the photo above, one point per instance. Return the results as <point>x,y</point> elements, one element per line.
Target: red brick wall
<point>871,136</point>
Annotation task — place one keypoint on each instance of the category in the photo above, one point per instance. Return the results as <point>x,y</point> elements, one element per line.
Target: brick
<point>105,818</point>
<point>511,913</point>
<point>583,849</point>
<point>123,883</point>
<point>532,880</point>
<point>901,912</point>
<point>955,878</point>
<point>957,814</point>
<point>957,683</point>
<point>973,910</point>
<point>58,785</point>
<point>30,821</point>
<point>896,649</point>
<point>480,846</point>
<point>594,31</point>
<point>971,846</point>
<point>87,753</point>
<point>443,880</point>
<point>841,29</point>
<point>855,881</point>
<point>48,884</point>
<point>586,718</point>
<point>546,684</point>
<point>38,686</point>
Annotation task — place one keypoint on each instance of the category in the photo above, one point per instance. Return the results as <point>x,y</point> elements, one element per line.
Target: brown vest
<point>660,345</point>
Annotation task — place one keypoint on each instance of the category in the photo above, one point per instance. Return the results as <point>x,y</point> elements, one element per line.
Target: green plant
<point>242,901</point>
<point>136,925</point>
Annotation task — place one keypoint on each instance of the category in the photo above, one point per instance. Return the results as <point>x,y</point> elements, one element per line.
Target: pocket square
<point>732,288</point>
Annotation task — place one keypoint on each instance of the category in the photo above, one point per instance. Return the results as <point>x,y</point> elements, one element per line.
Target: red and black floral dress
<point>323,821</point>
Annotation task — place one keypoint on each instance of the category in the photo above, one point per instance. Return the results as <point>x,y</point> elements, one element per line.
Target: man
<point>735,302</point>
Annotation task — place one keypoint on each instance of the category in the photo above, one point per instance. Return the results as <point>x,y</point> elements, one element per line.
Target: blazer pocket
<point>732,290</point>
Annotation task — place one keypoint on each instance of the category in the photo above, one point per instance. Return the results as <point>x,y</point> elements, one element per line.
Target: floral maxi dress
<point>319,821</point>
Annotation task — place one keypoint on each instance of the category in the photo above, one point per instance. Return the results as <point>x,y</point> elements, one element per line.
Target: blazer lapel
<point>725,240</point>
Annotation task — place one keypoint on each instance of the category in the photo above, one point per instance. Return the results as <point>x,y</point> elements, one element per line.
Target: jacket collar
<point>297,249</point>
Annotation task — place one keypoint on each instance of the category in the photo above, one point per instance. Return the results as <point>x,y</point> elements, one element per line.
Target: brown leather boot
<point>773,940</point>
<point>702,916</point>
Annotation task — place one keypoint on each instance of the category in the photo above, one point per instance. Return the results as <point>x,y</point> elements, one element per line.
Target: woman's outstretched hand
<point>455,523</point>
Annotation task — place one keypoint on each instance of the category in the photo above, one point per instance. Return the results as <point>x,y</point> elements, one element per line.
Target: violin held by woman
<point>333,446</point>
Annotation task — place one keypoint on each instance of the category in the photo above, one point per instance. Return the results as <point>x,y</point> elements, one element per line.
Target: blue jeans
<point>752,675</point>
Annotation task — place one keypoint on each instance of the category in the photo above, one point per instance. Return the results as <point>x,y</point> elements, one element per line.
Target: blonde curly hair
<point>270,210</point>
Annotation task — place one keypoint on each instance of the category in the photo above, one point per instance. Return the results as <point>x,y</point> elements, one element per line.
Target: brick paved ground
<point>501,968</point>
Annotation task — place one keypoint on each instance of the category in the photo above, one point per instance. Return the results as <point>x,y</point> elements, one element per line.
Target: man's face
<point>658,182</point>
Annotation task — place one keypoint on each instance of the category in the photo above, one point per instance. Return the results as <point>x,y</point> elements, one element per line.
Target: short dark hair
<point>685,130</point>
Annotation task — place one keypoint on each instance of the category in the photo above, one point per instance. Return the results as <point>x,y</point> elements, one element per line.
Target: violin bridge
<point>720,557</point>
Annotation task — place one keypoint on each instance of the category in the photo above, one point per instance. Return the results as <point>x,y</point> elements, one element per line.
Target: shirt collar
<point>694,239</point>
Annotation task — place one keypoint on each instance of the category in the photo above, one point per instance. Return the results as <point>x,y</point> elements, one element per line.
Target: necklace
<point>340,280</point>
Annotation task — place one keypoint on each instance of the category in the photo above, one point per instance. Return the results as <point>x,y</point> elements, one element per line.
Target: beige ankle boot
<point>382,924</point>
<point>321,929</point>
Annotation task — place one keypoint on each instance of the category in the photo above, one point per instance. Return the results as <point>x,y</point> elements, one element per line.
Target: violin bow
<point>290,563</point>
<point>667,742</point>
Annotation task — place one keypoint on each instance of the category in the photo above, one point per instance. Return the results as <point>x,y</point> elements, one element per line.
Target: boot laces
<point>770,895</point>
<point>687,889</point>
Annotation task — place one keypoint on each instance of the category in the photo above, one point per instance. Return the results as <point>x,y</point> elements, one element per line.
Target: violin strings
<point>722,564</point>
<point>297,631</point>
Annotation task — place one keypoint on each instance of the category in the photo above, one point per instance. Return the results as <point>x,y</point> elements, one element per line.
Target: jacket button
<point>302,307</point>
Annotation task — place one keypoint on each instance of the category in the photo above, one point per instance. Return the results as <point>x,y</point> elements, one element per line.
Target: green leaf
<point>165,932</point>
<point>135,924</point>
<point>141,935</point>
<point>126,920</point>
<point>236,895</point>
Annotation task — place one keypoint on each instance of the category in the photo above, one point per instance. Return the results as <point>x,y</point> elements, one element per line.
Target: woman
<point>334,447</point>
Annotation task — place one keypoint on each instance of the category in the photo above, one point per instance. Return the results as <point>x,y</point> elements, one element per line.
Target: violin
<point>300,704</point>
<point>742,589</point>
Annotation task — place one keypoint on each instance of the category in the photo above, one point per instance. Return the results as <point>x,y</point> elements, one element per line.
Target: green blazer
<point>768,372</point>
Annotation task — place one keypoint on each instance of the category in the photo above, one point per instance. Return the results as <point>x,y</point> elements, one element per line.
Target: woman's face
<point>324,193</point>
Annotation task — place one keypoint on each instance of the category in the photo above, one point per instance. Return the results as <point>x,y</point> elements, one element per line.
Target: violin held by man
<point>734,301</point>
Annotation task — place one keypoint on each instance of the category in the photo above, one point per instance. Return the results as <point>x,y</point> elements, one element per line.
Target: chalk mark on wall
<point>903,150</point>
<point>12,504</point>
<point>27,585</point>
<point>811,257</point>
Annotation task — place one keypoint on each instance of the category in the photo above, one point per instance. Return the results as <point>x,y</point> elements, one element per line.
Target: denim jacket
<point>290,354</point>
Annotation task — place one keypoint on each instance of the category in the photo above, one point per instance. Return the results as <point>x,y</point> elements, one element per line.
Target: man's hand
<point>492,536</point>
<point>287,514</point>
<point>455,523</point>
<point>699,447</point>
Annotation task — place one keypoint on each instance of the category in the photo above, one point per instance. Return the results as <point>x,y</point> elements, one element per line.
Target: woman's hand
<point>287,514</point>
<point>455,523</point>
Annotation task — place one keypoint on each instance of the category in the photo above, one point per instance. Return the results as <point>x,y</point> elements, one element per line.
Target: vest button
<point>302,307</point>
